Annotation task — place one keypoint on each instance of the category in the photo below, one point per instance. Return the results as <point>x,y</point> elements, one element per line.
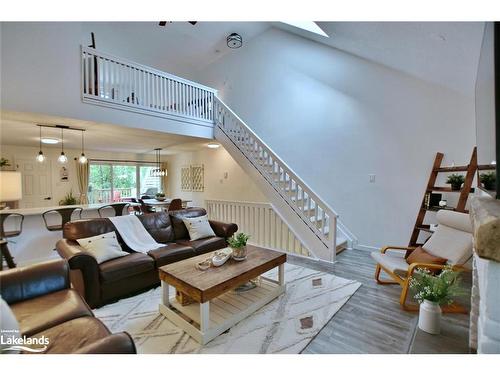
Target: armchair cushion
<point>452,244</point>
<point>41,313</point>
<point>19,284</point>
<point>125,267</point>
<point>118,343</point>
<point>419,255</point>
<point>394,263</point>
<point>73,335</point>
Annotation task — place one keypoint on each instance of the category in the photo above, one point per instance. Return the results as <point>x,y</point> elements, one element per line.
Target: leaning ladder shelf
<point>462,200</point>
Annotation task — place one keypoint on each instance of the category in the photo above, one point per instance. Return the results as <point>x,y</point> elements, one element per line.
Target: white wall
<point>217,162</point>
<point>335,119</point>
<point>60,189</point>
<point>40,70</point>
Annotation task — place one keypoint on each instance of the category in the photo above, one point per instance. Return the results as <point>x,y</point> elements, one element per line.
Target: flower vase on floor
<point>429,319</point>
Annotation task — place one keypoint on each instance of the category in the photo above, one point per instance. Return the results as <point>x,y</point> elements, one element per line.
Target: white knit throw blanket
<point>134,234</point>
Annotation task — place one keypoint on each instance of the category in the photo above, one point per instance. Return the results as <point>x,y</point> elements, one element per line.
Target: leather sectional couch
<point>44,305</point>
<point>137,272</point>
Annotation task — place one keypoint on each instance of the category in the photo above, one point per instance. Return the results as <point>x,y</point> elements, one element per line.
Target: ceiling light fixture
<point>82,159</point>
<point>310,26</point>
<point>49,141</point>
<point>213,145</point>
<point>40,157</point>
<point>158,171</point>
<point>234,41</point>
<point>62,158</point>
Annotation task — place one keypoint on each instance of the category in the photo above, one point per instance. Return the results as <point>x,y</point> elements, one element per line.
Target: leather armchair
<point>44,305</point>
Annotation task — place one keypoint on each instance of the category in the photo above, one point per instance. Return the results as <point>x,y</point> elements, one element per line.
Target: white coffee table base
<point>208,320</point>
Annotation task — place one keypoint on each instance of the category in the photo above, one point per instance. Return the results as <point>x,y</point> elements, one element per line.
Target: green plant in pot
<point>160,196</point>
<point>4,162</point>
<point>238,243</point>
<point>433,290</point>
<point>488,180</point>
<point>68,200</point>
<point>456,181</point>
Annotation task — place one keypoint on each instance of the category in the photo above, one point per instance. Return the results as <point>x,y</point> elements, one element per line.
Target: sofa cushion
<point>180,230</point>
<point>40,313</point>
<point>171,253</point>
<point>124,267</point>
<point>74,334</point>
<point>159,226</point>
<point>206,244</point>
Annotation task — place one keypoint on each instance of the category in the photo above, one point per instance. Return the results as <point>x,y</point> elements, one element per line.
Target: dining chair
<point>175,204</point>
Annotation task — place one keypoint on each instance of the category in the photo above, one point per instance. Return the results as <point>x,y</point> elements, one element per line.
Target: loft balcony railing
<point>116,82</point>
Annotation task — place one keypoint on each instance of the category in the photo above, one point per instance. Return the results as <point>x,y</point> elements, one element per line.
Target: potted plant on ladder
<point>432,291</point>
<point>456,181</point>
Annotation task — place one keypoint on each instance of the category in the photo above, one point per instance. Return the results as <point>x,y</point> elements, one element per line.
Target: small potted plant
<point>488,180</point>
<point>160,196</point>
<point>432,291</point>
<point>456,181</point>
<point>238,243</point>
<point>68,200</point>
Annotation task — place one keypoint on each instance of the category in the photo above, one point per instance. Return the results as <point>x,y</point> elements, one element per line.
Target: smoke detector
<point>234,41</point>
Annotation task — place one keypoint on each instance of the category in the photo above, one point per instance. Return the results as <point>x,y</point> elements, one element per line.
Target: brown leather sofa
<point>137,272</point>
<point>44,305</point>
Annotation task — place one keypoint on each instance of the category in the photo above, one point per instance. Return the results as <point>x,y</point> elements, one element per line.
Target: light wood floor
<point>372,321</point>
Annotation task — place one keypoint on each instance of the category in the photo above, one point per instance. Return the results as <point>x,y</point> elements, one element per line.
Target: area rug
<point>285,325</point>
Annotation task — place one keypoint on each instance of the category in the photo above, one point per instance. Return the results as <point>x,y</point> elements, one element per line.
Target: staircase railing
<point>117,82</point>
<point>261,222</point>
<point>317,215</point>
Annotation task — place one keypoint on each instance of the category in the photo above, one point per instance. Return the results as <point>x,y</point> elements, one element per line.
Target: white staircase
<point>121,84</point>
<point>312,220</point>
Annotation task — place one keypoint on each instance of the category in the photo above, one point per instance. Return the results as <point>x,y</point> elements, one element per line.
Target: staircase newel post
<point>333,236</point>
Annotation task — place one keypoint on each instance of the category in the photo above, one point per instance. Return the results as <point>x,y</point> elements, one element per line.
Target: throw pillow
<point>102,247</point>
<point>198,227</point>
<point>419,255</point>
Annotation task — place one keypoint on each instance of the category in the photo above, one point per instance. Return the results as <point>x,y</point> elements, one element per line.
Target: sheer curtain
<point>82,175</point>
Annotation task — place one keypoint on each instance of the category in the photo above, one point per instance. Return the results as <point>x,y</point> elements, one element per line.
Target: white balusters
<point>260,221</point>
<point>136,86</point>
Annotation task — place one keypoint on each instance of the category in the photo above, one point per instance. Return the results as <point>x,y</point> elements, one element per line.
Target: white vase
<point>429,319</point>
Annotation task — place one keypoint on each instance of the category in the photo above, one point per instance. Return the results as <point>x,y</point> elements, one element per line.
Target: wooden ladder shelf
<point>464,192</point>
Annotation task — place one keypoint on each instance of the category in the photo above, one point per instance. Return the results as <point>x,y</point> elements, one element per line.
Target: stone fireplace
<point>484,334</point>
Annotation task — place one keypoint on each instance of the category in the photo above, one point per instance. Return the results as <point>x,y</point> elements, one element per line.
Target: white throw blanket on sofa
<point>134,234</point>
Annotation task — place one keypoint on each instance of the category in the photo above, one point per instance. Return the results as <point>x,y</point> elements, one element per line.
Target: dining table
<point>163,204</point>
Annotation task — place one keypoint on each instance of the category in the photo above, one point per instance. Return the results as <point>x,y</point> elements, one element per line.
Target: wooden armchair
<point>452,240</point>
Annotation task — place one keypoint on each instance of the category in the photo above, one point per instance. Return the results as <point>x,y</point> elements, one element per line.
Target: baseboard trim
<point>366,247</point>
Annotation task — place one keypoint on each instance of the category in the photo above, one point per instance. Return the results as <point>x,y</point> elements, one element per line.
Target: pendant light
<point>62,158</point>
<point>158,171</point>
<point>82,159</point>
<point>40,157</point>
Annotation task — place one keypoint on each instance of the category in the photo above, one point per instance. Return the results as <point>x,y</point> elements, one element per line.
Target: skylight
<point>310,26</point>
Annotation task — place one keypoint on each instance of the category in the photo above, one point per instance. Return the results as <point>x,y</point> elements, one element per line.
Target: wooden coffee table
<point>217,307</point>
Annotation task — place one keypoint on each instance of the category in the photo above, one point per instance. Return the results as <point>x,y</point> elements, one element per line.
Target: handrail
<point>93,51</point>
<point>323,223</point>
<point>120,83</point>
<point>269,150</point>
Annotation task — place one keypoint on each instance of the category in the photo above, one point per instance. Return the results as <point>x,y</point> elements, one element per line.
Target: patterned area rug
<point>285,325</point>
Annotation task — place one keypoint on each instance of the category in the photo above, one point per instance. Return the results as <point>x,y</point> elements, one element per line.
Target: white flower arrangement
<point>441,288</point>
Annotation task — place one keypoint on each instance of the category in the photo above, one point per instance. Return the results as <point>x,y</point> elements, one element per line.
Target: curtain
<point>82,175</point>
<point>164,179</point>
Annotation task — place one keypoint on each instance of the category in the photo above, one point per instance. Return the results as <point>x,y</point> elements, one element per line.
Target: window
<point>111,182</point>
